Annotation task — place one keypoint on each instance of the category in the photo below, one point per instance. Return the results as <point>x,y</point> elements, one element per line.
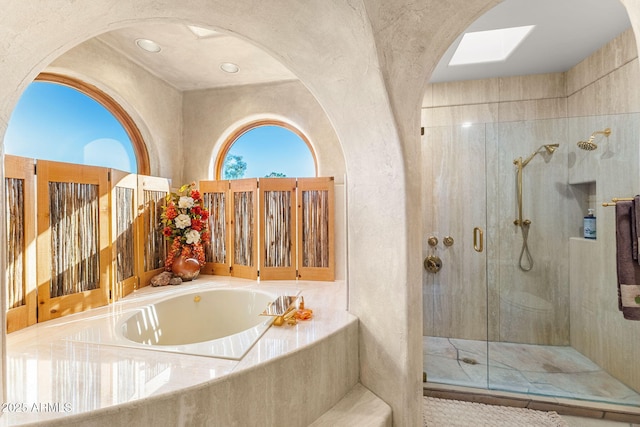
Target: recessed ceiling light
<point>489,46</point>
<point>229,67</point>
<point>202,33</point>
<point>148,45</point>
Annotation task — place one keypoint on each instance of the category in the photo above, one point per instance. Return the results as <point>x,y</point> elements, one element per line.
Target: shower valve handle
<point>432,264</point>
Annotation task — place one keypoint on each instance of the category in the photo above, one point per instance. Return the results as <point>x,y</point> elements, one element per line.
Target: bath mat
<point>456,413</point>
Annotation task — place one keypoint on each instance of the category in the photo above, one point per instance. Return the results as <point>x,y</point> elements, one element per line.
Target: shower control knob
<point>432,264</point>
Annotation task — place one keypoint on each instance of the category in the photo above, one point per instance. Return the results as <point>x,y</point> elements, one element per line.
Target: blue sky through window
<point>267,149</point>
<point>56,122</point>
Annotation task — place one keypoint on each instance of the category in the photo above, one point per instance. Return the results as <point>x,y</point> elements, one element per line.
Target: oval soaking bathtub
<point>216,323</point>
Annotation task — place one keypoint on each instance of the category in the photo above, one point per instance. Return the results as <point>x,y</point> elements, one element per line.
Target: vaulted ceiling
<point>566,32</point>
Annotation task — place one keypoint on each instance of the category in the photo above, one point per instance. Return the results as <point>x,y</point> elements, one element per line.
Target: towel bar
<point>616,199</point>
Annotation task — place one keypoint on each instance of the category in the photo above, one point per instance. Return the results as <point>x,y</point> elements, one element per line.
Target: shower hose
<point>525,248</point>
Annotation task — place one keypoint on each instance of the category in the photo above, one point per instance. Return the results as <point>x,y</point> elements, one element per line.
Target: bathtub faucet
<point>283,309</point>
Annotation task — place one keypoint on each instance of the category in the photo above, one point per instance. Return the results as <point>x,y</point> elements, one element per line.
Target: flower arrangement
<point>185,224</point>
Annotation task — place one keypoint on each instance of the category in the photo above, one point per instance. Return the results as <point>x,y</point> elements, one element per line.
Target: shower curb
<point>563,406</point>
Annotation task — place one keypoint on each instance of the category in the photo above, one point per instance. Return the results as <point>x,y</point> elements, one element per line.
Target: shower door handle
<point>478,239</point>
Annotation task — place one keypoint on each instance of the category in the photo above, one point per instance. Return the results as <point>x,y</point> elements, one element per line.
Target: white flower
<point>185,202</point>
<point>183,221</point>
<point>192,236</point>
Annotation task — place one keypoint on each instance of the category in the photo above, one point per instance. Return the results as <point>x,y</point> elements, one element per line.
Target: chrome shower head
<point>590,145</point>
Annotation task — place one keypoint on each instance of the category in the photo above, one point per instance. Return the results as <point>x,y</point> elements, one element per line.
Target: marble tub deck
<point>531,369</point>
<point>50,375</point>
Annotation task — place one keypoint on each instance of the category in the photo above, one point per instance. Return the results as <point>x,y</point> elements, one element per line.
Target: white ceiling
<point>567,31</point>
<point>189,63</point>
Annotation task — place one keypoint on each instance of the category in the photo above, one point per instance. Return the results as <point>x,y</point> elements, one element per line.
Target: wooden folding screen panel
<point>152,252</point>
<point>124,241</point>
<point>73,238</point>
<point>277,228</point>
<point>244,233</point>
<point>286,228</point>
<point>215,195</point>
<point>20,226</point>
<point>316,252</point>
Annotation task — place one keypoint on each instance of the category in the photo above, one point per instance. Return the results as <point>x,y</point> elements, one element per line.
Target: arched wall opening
<point>373,140</point>
<point>489,127</point>
<point>334,52</point>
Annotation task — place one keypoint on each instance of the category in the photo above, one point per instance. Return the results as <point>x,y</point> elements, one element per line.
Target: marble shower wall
<point>611,99</point>
<point>556,302</point>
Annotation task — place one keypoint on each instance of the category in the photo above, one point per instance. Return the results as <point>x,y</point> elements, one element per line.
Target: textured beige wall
<point>211,115</point>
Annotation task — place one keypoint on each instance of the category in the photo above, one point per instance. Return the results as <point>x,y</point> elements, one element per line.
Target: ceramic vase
<point>185,268</point>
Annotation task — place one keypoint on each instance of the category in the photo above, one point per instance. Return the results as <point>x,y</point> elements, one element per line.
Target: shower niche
<point>584,193</point>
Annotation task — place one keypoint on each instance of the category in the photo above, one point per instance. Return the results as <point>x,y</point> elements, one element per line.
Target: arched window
<point>63,119</point>
<point>266,148</point>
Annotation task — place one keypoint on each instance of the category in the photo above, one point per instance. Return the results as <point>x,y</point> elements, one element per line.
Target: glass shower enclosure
<point>540,318</point>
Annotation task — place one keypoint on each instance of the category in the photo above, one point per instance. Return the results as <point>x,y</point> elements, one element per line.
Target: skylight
<point>202,33</point>
<point>489,46</point>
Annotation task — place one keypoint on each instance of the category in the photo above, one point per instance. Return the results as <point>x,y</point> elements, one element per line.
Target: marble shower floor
<point>522,368</point>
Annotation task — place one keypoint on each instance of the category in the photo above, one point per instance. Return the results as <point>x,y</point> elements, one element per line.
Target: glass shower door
<point>455,219</point>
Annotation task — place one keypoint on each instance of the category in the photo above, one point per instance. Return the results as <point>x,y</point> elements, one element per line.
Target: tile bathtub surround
<point>58,381</point>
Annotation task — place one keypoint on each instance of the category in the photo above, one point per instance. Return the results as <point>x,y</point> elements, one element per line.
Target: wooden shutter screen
<point>290,220</point>
<point>215,195</point>
<point>244,224</point>
<point>316,252</point>
<point>152,252</point>
<point>73,238</point>
<point>277,228</point>
<point>21,230</point>
<point>124,242</point>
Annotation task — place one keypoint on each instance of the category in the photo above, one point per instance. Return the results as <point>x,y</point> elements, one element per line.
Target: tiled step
<point>358,408</point>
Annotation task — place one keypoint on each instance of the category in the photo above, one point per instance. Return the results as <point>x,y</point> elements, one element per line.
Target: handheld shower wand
<point>524,224</point>
<point>520,164</point>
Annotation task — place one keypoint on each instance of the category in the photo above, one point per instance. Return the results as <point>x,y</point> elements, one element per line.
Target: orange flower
<point>171,211</point>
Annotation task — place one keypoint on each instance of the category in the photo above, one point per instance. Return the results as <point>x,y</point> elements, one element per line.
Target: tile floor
<point>532,369</point>
<point>591,422</point>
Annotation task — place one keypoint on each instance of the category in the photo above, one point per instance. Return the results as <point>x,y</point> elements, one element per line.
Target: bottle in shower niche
<point>590,225</point>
